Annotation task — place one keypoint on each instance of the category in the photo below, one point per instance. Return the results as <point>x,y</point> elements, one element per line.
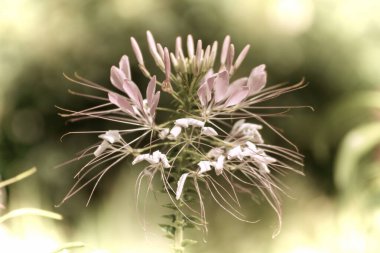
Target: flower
<point>213,132</point>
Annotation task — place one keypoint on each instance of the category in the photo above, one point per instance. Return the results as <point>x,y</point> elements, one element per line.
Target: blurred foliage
<point>333,44</point>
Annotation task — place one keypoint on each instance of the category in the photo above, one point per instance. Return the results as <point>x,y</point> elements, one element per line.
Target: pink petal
<point>237,97</point>
<point>225,48</point>
<point>121,102</point>
<point>208,74</point>
<point>178,47</point>
<point>202,94</point>
<point>204,91</point>
<point>153,106</point>
<point>199,53</point>
<point>241,56</point>
<point>240,82</point>
<point>167,64</point>
<point>214,50</point>
<point>210,86</point>
<point>153,49</point>
<point>150,90</point>
<point>160,50</point>
<point>206,56</point>
<point>117,77</point>
<point>137,51</point>
<point>230,57</point>
<point>133,92</point>
<point>236,93</point>
<point>124,67</point>
<point>257,79</point>
<point>190,46</point>
<point>151,41</point>
<point>221,86</point>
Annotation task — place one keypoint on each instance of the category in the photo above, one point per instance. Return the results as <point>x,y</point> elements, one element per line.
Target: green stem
<point>178,236</point>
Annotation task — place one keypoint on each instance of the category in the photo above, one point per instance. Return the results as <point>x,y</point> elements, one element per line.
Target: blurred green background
<point>334,45</point>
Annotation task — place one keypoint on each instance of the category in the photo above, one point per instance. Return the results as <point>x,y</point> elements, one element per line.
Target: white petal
<point>251,146</point>
<point>235,152</point>
<point>101,148</point>
<point>219,165</point>
<point>186,122</point>
<point>215,152</point>
<point>208,131</point>
<point>246,152</point>
<point>140,158</point>
<point>181,183</point>
<point>195,122</point>
<point>204,166</point>
<point>164,132</point>
<point>164,161</point>
<point>146,157</point>
<point>174,132</point>
<point>251,126</point>
<point>111,136</point>
<point>266,158</point>
<point>263,168</point>
<point>182,122</point>
<point>236,126</point>
<point>247,130</point>
<point>157,156</point>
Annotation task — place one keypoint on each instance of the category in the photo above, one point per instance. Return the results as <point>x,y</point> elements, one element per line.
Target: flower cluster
<point>210,144</point>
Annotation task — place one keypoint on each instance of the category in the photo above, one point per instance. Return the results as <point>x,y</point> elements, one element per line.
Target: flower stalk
<point>178,236</point>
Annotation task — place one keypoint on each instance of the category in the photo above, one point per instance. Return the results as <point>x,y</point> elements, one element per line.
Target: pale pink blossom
<point>134,105</point>
<point>216,90</point>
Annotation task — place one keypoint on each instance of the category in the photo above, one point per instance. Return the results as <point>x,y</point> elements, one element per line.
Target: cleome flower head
<point>211,144</point>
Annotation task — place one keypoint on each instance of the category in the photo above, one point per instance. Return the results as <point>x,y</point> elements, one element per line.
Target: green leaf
<point>189,225</point>
<point>188,198</point>
<point>194,218</point>
<point>170,236</point>
<point>170,206</point>
<point>169,230</point>
<point>170,217</point>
